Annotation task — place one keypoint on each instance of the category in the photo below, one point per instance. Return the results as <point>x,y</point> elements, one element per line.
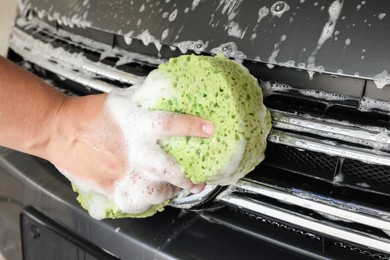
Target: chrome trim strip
<point>330,148</point>
<point>304,222</point>
<point>375,137</point>
<point>290,198</point>
<point>59,62</point>
<point>186,200</point>
<point>111,73</point>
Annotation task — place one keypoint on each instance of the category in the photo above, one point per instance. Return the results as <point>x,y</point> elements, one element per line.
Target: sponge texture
<point>100,206</point>
<point>224,92</point>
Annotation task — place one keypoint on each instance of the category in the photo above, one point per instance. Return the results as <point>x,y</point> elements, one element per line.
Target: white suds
<point>195,3</point>
<point>147,38</point>
<point>381,16</point>
<point>382,79</point>
<point>156,86</point>
<point>263,12</point>
<point>164,34</point>
<point>197,46</point>
<point>230,7</point>
<point>279,8</point>
<point>338,178</point>
<point>128,37</point>
<point>172,16</point>
<point>96,207</point>
<point>334,13</point>
<point>227,176</point>
<point>275,52</point>
<point>368,104</point>
<point>271,87</point>
<point>230,50</point>
<point>234,30</point>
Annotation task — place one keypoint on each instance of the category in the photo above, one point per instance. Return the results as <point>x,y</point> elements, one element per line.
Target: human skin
<point>80,136</point>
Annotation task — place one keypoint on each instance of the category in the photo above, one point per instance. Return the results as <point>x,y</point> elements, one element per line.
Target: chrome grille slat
<point>331,148</point>
<point>315,204</point>
<point>353,133</point>
<point>81,70</point>
<point>230,198</point>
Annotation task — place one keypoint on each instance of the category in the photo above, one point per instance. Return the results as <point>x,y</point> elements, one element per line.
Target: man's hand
<point>108,144</point>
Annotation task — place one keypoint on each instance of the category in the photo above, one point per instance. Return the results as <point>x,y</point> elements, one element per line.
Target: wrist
<point>85,142</point>
<point>70,120</point>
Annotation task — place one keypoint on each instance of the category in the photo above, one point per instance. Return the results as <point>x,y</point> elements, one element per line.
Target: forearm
<point>28,108</point>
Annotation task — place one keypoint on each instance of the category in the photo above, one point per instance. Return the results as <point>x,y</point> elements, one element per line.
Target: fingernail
<point>208,128</point>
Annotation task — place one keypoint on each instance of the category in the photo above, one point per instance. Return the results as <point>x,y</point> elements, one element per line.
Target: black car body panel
<point>338,37</point>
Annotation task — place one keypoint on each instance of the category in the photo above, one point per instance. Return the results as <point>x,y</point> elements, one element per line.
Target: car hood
<point>347,38</point>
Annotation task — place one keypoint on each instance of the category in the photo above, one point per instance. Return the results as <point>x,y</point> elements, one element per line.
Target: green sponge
<point>217,89</point>
<point>100,206</point>
<point>224,92</point>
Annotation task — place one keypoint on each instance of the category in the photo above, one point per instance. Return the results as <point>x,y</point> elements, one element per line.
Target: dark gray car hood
<point>349,38</point>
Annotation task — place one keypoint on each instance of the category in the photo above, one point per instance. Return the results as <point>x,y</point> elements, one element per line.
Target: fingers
<point>186,125</point>
<point>158,192</point>
<point>136,193</point>
<point>164,168</point>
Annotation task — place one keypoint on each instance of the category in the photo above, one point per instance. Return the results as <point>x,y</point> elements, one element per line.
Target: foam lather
<point>217,89</point>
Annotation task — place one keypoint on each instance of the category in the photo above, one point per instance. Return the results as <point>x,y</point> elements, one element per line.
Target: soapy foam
<point>230,7</point>
<point>382,79</point>
<point>164,34</point>
<point>196,46</point>
<point>279,8</point>
<point>74,21</point>
<point>275,52</point>
<point>195,3</point>
<point>227,175</point>
<point>270,87</point>
<point>230,50</point>
<point>368,104</point>
<point>96,207</point>
<point>147,38</point>
<point>234,30</point>
<point>334,13</point>
<point>173,15</point>
<point>263,12</point>
<point>104,49</point>
<point>156,86</point>
<point>320,94</point>
<point>128,37</point>
<point>130,190</point>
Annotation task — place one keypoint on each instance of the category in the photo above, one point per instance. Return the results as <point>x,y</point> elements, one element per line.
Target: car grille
<point>326,175</point>
<point>370,172</point>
